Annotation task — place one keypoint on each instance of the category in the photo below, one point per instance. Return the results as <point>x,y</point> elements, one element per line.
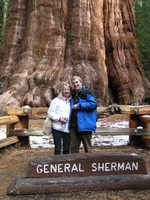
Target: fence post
<point>8,127</point>
<point>146,125</point>
<point>134,122</point>
<point>24,120</point>
<point>23,115</point>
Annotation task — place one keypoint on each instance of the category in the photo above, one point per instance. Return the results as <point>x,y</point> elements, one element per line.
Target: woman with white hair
<point>58,112</point>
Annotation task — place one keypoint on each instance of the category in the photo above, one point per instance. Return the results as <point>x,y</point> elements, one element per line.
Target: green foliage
<point>3,16</point>
<point>142,12</point>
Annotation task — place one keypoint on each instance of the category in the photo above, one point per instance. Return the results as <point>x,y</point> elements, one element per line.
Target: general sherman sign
<point>91,164</point>
<point>78,172</point>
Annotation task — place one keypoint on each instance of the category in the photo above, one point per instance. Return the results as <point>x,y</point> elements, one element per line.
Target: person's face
<point>66,92</point>
<point>77,85</point>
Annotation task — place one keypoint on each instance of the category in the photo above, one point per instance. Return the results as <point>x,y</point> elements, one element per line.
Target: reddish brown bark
<point>47,42</point>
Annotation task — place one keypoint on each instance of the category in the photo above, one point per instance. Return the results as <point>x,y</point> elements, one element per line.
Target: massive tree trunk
<point>47,42</point>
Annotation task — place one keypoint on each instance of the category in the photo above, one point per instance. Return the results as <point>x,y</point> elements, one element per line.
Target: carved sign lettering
<point>101,167</point>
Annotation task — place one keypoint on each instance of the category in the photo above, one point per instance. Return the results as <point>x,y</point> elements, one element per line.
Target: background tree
<point>142,12</point>
<point>47,42</point>
<point>3,14</point>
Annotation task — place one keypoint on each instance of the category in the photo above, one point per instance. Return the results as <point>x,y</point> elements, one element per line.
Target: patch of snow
<point>98,140</point>
<point>110,140</point>
<point>41,141</point>
<point>139,127</point>
<point>2,133</point>
<point>117,124</point>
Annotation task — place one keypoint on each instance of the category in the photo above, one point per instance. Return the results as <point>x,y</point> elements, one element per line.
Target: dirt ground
<point>13,165</point>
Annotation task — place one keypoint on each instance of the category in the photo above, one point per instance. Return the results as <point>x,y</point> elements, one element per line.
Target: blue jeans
<point>58,137</point>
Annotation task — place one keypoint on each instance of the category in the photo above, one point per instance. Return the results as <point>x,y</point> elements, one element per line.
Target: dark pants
<point>76,138</point>
<point>60,136</point>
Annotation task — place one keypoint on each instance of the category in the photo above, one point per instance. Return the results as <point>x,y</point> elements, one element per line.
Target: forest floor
<point>14,162</point>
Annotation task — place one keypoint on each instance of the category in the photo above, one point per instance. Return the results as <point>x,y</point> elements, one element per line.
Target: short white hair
<point>64,84</point>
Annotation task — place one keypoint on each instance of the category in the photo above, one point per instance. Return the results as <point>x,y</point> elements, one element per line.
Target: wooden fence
<point>19,117</point>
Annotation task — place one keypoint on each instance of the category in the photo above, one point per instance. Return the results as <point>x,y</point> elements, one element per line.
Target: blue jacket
<point>86,111</point>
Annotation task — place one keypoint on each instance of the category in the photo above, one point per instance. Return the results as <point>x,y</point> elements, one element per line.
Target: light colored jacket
<point>59,107</point>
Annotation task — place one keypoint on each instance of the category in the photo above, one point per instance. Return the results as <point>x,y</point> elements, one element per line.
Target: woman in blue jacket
<point>83,116</point>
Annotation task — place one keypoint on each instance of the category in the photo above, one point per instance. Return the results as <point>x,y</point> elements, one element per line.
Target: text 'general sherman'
<point>80,168</point>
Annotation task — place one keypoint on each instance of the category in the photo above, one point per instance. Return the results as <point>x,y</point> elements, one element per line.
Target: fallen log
<point>78,184</point>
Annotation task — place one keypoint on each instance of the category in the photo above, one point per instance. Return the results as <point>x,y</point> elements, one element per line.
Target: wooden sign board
<point>90,164</point>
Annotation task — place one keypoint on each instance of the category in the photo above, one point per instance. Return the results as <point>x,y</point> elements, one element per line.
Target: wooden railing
<point>17,123</point>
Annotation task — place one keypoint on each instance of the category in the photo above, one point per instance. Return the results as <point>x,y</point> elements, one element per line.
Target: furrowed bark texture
<point>48,41</point>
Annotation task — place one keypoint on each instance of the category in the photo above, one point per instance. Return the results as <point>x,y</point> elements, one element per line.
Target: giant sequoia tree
<point>48,41</point>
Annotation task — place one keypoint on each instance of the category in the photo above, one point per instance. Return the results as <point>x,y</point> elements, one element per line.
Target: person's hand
<point>74,107</point>
<point>63,120</point>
